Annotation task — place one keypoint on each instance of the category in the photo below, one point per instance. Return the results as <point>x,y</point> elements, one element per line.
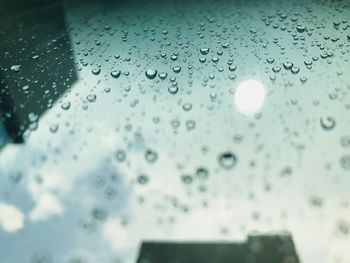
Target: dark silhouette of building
<point>257,249</point>
<point>37,63</point>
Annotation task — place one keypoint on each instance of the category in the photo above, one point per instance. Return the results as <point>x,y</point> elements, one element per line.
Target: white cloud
<point>11,218</point>
<point>46,206</point>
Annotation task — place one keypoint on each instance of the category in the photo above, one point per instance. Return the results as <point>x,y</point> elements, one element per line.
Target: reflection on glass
<point>37,66</point>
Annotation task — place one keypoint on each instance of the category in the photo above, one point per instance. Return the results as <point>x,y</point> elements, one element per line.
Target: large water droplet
<point>116,74</point>
<point>204,50</point>
<point>173,89</point>
<point>177,69</point>
<point>227,160</point>
<point>54,127</point>
<point>65,105</point>
<point>287,65</point>
<point>151,73</point>
<point>327,123</point>
<point>16,68</point>
<point>96,71</point>
<point>91,97</point>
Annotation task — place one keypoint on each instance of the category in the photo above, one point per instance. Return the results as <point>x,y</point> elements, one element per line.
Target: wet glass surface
<point>172,120</point>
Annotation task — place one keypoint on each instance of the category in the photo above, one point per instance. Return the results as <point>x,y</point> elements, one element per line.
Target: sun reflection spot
<point>249,96</point>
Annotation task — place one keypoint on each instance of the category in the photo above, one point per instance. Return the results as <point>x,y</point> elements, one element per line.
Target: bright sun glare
<point>249,96</point>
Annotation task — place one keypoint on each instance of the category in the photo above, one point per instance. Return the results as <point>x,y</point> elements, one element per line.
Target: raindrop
<point>91,97</point>
<point>177,69</point>
<point>65,105</point>
<point>303,79</point>
<point>16,177</point>
<point>162,75</point>
<point>301,28</point>
<point>120,155</point>
<point>151,73</point>
<point>25,88</point>
<point>187,106</point>
<point>96,71</point>
<point>286,171</point>
<point>116,74</point>
<point>204,51</point>
<point>287,65</point>
<point>327,123</point>
<point>202,173</point>
<point>190,124</point>
<point>225,45</point>
<point>295,70</point>
<point>173,89</point>
<point>175,123</point>
<point>151,156</point>
<point>227,160</point>
<point>16,68</point>
<point>54,127</point>
<point>232,68</point>
<point>99,214</point>
<point>270,60</point>
<point>142,179</point>
<point>276,69</point>
<point>186,179</point>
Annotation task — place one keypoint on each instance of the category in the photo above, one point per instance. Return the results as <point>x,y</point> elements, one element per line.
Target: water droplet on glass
<point>295,70</point>
<point>151,156</point>
<point>186,179</point>
<point>232,68</point>
<point>25,88</point>
<point>190,124</point>
<point>287,65</point>
<point>91,97</point>
<point>142,179</point>
<point>100,214</point>
<point>116,74</point>
<point>16,68</point>
<point>202,173</point>
<point>187,106</point>
<point>120,155</point>
<point>327,123</point>
<point>177,69</point>
<point>270,60</point>
<point>173,89</point>
<point>65,105</point>
<point>96,71</point>
<point>227,160</point>
<point>162,75</point>
<point>54,127</point>
<point>301,28</point>
<point>204,51</point>
<point>151,73</point>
